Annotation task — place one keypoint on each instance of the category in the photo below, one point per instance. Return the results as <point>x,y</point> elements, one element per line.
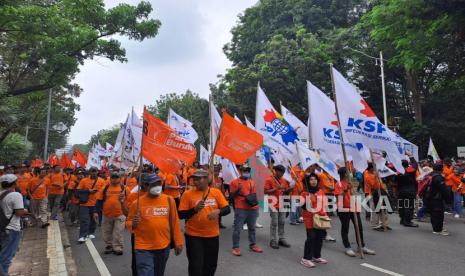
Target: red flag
<point>65,162</point>
<point>53,160</point>
<point>162,146</point>
<point>236,141</point>
<point>80,158</point>
<point>36,163</point>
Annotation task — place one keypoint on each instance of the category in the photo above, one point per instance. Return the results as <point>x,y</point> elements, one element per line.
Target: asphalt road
<point>405,251</point>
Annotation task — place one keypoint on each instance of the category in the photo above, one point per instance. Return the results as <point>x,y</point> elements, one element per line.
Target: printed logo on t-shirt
<point>155,212</point>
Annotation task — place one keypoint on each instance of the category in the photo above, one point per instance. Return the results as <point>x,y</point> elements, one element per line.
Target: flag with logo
<point>93,160</point>
<point>164,147</point>
<point>276,131</point>
<point>325,134</point>
<point>300,128</point>
<point>309,157</point>
<point>182,126</point>
<point>236,141</point>
<point>360,124</point>
<point>432,151</point>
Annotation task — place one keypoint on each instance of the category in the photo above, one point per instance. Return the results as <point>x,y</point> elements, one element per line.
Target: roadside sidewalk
<point>41,252</point>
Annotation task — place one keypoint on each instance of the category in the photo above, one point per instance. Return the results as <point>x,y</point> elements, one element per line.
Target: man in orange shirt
<point>156,227</point>
<point>379,220</point>
<point>73,200</point>
<point>88,191</point>
<point>56,191</point>
<point>244,195</point>
<point>201,208</point>
<point>113,217</point>
<point>24,176</point>
<point>275,188</point>
<point>295,214</point>
<point>454,181</point>
<point>37,191</point>
<point>171,186</point>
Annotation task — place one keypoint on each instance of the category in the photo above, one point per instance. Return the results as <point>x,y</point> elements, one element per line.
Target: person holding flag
<point>201,208</point>
<point>153,219</point>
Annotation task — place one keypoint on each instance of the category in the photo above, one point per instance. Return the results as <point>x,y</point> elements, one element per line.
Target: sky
<point>186,54</point>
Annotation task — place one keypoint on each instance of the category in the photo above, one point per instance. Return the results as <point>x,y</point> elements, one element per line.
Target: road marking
<point>55,253</point>
<point>381,269</point>
<point>102,268</point>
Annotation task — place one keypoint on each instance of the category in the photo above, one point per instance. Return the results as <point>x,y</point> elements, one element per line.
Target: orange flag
<point>36,163</point>
<point>65,162</point>
<point>236,141</point>
<point>80,158</point>
<point>53,160</point>
<point>162,146</point>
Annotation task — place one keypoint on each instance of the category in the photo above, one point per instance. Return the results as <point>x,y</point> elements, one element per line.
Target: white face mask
<point>246,175</point>
<point>156,190</point>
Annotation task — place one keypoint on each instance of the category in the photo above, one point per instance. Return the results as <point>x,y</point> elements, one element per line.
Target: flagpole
<point>139,182</point>
<point>344,154</point>
<point>310,144</point>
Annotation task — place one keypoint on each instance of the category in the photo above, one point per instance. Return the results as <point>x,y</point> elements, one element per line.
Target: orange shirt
<point>271,183</point>
<point>316,200</point>
<point>446,171</point>
<point>38,187</point>
<point>199,225</point>
<point>370,182</point>
<point>132,197</point>
<point>327,183</point>
<point>153,231</point>
<point>248,186</point>
<point>112,205</point>
<point>55,180</point>
<point>454,181</point>
<point>86,184</point>
<point>217,183</point>
<point>129,182</point>
<point>72,185</point>
<point>170,180</point>
<point>23,182</point>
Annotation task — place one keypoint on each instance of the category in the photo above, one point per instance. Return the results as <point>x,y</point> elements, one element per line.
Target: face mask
<point>246,175</point>
<point>156,190</point>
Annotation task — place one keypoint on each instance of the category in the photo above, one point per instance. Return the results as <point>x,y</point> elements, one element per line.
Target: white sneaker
<point>82,239</point>
<point>368,251</point>
<point>91,236</point>
<point>258,225</point>
<point>245,227</point>
<point>349,252</point>
<point>442,233</point>
<point>329,238</point>
<point>456,216</point>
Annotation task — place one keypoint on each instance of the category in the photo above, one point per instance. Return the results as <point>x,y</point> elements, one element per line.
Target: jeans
<point>9,245</point>
<point>314,243</point>
<point>422,210</point>
<point>295,213</point>
<point>277,222</point>
<point>458,205</point>
<point>151,262</point>
<point>87,222</point>
<point>202,254</point>
<point>54,202</point>
<point>345,218</point>
<point>242,216</point>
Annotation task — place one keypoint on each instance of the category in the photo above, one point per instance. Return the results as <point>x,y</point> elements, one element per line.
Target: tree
<point>105,136</point>
<point>14,149</point>
<point>190,106</point>
<point>43,43</point>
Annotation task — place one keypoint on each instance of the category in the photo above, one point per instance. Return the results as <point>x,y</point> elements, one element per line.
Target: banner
<point>164,147</point>
<point>360,124</point>
<point>236,141</point>
<point>300,128</point>
<point>182,126</point>
<point>309,157</point>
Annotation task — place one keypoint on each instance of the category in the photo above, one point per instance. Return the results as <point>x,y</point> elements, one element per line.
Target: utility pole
<point>48,123</point>
<point>383,88</point>
<point>25,135</point>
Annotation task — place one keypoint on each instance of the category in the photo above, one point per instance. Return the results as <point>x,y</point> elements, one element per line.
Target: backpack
<point>4,221</point>
<point>425,189</point>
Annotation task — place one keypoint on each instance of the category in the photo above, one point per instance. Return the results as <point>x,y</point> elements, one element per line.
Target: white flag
<point>277,132</point>
<point>360,124</point>
<point>215,123</point>
<point>237,118</point>
<point>93,160</point>
<point>300,128</point>
<point>182,126</point>
<point>325,132</point>
<point>129,151</point>
<point>432,151</point>
<point>249,124</point>
<point>109,147</point>
<point>204,156</point>
<point>229,171</point>
<point>309,157</point>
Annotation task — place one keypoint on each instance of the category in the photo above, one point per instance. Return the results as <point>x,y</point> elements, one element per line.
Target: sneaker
<point>456,216</point>
<point>329,238</point>
<point>82,240</point>
<point>442,233</point>
<point>307,263</point>
<point>258,225</point>
<point>349,252</point>
<point>319,261</point>
<point>301,220</point>
<point>284,243</point>
<point>236,252</point>
<point>447,213</point>
<point>274,244</point>
<point>368,251</point>
<point>255,248</point>
<point>293,223</point>
<point>108,249</point>
<point>118,252</point>
<point>91,236</point>
<point>245,227</point>
<point>379,228</point>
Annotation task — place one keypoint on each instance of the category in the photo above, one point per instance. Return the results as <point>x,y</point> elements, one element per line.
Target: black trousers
<point>133,256</point>
<point>202,254</point>
<point>177,201</point>
<point>437,219</point>
<point>314,243</point>
<point>345,218</point>
<point>405,206</point>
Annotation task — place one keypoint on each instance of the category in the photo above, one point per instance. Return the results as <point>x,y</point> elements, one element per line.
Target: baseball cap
<point>149,178</point>
<point>200,173</point>
<point>8,178</point>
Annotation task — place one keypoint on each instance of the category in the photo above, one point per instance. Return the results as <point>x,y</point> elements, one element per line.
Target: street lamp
<point>383,88</point>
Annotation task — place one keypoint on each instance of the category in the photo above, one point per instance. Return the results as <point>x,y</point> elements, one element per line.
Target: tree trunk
<point>412,86</point>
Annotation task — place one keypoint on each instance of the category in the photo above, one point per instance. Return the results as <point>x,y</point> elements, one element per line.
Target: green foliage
<point>14,150</point>
<point>105,136</point>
